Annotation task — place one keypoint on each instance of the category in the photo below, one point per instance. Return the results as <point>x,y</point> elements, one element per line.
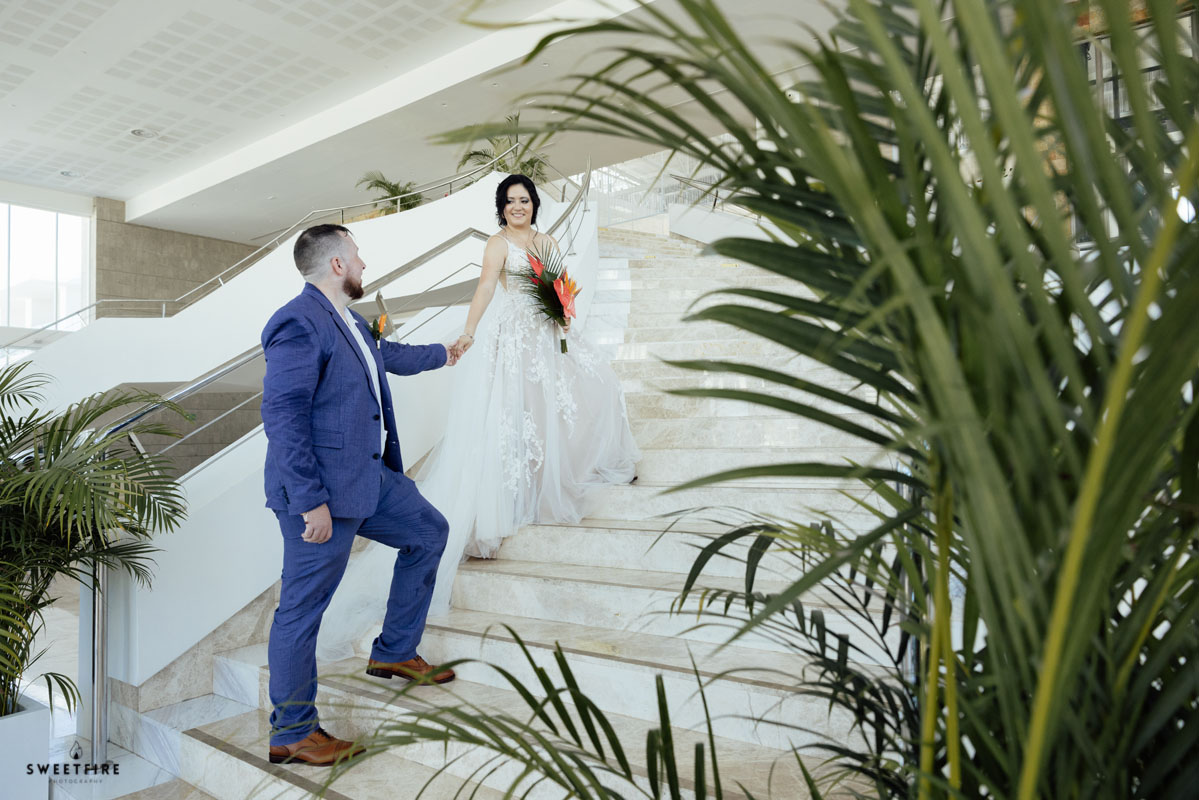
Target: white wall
<point>229,321</point>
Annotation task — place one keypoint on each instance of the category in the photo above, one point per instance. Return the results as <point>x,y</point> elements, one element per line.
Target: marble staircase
<point>602,589</point>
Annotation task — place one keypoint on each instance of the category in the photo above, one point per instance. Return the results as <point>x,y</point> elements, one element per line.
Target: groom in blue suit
<point>333,471</point>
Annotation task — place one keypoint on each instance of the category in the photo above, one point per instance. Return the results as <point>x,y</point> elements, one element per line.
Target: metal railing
<point>693,191</point>
<point>99,654</point>
<point>217,281</point>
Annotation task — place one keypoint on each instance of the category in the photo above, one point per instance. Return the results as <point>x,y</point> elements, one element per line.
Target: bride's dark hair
<point>501,196</point>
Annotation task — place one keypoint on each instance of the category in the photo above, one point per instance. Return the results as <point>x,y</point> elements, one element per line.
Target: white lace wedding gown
<point>530,430</point>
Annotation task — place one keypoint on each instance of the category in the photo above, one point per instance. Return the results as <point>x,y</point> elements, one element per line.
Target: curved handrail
<point>255,352</point>
<point>224,275</point>
<point>712,189</point>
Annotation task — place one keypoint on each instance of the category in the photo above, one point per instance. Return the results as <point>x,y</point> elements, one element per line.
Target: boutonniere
<point>378,326</point>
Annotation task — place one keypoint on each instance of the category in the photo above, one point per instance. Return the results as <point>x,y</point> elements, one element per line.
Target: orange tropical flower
<point>566,290</point>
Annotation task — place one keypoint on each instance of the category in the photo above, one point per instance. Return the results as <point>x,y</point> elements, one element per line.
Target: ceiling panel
<point>76,76</point>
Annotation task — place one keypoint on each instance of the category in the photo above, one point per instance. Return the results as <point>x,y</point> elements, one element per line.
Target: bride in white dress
<point>531,429</point>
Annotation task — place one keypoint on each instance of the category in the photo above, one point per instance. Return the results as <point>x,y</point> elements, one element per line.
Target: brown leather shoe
<point>412,670</point>
<point>318,749</point>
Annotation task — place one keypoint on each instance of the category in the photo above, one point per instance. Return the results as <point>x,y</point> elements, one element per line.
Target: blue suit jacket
<point>319,409</point>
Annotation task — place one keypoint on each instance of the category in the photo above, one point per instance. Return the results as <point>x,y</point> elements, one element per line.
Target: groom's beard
<point>352,287</point>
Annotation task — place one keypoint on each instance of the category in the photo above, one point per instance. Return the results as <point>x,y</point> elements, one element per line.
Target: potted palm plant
<point>522,160</point>
<point>72,495</point>
<point>393,195</point>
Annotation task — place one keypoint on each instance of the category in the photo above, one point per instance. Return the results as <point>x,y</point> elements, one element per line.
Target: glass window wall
<point>44,267</point>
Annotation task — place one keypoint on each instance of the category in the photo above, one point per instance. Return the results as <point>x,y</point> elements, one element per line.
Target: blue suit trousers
<point>311,572</point>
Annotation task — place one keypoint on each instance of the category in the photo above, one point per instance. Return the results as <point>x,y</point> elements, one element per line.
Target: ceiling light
<point>545,63</point>
<point>494,84</point>
<point>69,173</point>
<point>144,133</point>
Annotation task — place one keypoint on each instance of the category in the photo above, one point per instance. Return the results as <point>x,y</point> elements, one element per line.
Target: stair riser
<point>746,350</point>
<point>685,332</point>
<point>743,432</point>
<point>655,274</point>
<point>679,378</point>
<point>721,503</point>
<point>610,548</point>
<point>706,281</point>
<point>610,248</point>
<point>659,405</point>
<point>675,466</point>
<point>654,368</point>
<point>618,607</point>
<point>691,300</point>
<point>628,688</point>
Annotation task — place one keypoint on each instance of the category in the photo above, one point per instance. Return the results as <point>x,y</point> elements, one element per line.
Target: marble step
<point>680,270</point>
<point>746,432</point>
<point>637,250</point>
<point>653,544</point>
<point>639,601</point>
<point>625,247</point>
<point>130,776</point>
<point>678,378</point>
<point>692,299</point>
<point>660,405</point>
<point>353,705</point>
<point>653,367</point>
<point>697,286</point>
<point>675,330</point>
<point>155,735</point>
<point>228,760</point>
<point>617,668</point>
<point>679,465</point>
<point>169,790</point>
<point>801,500</point>
<point>751,351</point>
<point>615,236</point>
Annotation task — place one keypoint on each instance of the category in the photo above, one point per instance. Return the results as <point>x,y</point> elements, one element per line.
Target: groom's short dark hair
<point>316,245</point>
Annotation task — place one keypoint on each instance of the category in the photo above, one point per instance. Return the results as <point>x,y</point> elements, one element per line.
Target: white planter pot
<point>26,737</point>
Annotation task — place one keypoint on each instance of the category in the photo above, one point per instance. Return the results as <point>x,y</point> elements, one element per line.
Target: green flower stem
<point>1092,487</point>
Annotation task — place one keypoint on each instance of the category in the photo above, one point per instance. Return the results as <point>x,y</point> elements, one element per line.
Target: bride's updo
<point>501,196</point>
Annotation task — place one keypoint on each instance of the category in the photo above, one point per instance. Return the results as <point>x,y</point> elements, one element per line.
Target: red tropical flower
<point>537,267</point>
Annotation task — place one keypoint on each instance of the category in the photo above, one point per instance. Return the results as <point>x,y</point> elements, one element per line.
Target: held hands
<point>458,348</point>
<point>455,349</point>
<point>318,525</point>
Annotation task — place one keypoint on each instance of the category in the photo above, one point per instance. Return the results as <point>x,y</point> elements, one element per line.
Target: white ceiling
<point>266,109</point>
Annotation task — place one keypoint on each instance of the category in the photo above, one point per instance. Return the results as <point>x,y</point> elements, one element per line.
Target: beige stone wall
<point>133,261</point>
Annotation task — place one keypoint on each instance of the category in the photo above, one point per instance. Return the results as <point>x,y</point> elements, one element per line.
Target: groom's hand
<point>318,525</point>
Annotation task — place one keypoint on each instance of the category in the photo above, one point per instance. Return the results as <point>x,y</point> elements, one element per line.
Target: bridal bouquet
<point>550,286</point>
